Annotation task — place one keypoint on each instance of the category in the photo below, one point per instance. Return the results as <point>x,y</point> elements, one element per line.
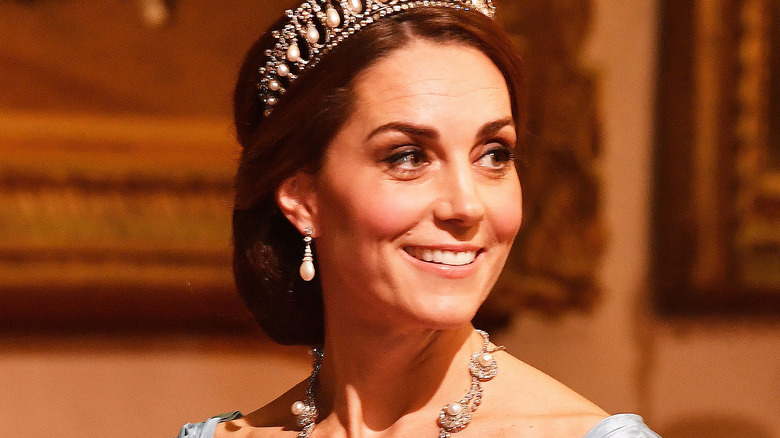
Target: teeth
<point>452,258</point>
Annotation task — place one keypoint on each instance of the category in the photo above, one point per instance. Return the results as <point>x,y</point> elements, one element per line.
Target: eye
<point>497,158</point>
<point>406,161</point>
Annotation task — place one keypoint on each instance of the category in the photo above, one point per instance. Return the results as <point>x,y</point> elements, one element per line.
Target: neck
<point>372,379</point>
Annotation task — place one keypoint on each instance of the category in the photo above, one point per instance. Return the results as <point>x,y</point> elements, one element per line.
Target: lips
<point>442,257</point>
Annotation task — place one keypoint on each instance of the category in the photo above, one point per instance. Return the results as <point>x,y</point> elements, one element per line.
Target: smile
<point>442,257</point>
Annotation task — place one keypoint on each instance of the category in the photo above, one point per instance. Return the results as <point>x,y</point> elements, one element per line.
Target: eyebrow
<point>491,128</point>
<point>407,128</point>
<point>487,130</point>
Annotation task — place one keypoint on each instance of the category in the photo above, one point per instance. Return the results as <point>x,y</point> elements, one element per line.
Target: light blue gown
<point>616,426</point>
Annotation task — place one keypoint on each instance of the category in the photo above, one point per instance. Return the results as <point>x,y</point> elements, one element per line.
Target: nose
<point>459,200</point>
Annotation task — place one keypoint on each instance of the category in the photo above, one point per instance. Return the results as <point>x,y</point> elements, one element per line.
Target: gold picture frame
<point>716,241</point>
<point>112,223</point>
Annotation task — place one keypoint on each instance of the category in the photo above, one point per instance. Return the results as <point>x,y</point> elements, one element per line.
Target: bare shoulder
<point>271,421</point>
<point>528,401</point>
<point>536,392</point>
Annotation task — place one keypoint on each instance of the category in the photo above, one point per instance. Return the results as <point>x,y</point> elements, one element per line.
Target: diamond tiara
<point>317,26</point>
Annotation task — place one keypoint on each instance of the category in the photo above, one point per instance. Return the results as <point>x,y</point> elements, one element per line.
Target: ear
<point>297,198</point>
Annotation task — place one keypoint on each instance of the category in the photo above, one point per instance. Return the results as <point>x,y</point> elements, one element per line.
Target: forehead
<point>425,80</point>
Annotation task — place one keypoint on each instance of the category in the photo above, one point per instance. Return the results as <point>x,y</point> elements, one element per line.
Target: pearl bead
<point>293,53</point>
<point>355,6</point>
<point>332,18</point>
<point>272,100</point>
<point>454,409</point>
<point>312,34</point>
<point>274,85</point>
<point>485,359</point>
<point>298,408</point>
<point>283,70</point>
<point>307,270</point>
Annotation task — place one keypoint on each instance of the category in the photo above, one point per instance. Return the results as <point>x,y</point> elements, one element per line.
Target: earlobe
<point>297,200</point>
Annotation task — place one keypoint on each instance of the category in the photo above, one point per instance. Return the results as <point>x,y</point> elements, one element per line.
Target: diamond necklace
<point>453,417</point>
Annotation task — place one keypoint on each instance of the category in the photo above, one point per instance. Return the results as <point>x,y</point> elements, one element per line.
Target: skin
<point>424,164</point>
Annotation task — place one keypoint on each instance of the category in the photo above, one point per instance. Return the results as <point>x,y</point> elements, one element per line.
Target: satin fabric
<point>616,426</point>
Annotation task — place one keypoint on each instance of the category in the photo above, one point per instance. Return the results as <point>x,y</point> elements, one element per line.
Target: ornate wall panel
<point>717,224</point>
<point>116,164</point>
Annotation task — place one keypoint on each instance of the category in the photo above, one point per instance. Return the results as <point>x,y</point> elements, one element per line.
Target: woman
<point>376,203</point>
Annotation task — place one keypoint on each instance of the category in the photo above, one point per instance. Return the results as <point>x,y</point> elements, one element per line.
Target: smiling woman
<point>378,141</point>
<point>421,170</point>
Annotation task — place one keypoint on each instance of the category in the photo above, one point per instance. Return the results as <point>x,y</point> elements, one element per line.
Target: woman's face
<point>418,201</point>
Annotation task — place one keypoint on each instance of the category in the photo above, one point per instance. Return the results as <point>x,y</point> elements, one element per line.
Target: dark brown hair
<point>267,248</point>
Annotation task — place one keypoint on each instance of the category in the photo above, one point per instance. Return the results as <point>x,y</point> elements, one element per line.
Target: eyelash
<point>402,156</point>
<point>502,154</point>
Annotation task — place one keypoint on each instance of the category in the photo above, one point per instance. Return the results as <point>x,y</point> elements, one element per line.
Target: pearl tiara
<point>317,26</point>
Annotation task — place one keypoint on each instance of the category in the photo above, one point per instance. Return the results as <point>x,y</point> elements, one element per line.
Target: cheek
<point>506,213</point>
<point>392,215</point>
<point>374,213</point>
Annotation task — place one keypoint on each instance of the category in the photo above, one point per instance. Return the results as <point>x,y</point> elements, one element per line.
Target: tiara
<point>317,26</point>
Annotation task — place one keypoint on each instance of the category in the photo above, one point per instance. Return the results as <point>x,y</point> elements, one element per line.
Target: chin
<point>446,314</point>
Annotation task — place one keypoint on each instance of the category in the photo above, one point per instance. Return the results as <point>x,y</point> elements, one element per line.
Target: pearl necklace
<point>453,417</point>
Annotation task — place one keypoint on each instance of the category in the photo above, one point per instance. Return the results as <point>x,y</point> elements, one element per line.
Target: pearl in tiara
<point>317,26</point>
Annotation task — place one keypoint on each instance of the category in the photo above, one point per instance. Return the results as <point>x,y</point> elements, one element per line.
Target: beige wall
<point>621,356</point>
<point>140,387</point>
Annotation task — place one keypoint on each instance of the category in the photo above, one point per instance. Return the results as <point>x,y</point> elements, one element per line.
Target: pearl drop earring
<point>307,267</point>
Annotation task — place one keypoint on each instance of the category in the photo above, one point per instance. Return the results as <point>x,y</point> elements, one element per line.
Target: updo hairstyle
<point>267,247</point>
